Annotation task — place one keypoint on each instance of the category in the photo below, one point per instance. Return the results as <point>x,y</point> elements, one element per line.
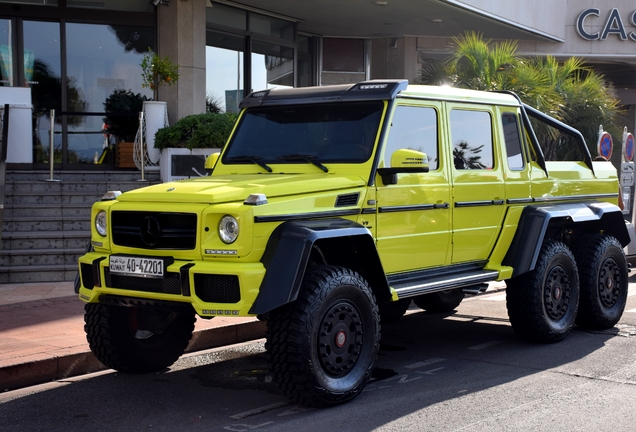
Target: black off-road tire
<point>442,301</point>
<point>603,276</point>
<point>322,347</point>
<point>542,304</point>
<point>110,331</point>
<point>391,311</point>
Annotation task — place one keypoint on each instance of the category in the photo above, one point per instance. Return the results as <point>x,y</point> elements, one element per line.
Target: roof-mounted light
<point>373,86</point>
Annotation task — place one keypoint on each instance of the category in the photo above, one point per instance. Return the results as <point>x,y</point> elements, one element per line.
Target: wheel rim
<point>557,292</point>
<point>340,338</point>
<point>609,283</point>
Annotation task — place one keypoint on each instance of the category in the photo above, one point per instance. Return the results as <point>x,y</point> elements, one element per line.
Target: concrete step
<point>33,257</point>
<point>86,187</point>
<point>87,198</point>
<point>56,240</point>
<point>46,223</point>
<point>47,210</point>
<point>38,273</point>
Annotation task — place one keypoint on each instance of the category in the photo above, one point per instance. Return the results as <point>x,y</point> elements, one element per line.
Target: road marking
<point>498,297</point>
<point>259,410</point>
<point>484,345</point>
<point>631,310</point>
<point>631,292</point>
<point>430,372</point>
<point>424,363</point>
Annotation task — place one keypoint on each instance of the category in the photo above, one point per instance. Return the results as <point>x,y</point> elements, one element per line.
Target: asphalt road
<point>463,372</point>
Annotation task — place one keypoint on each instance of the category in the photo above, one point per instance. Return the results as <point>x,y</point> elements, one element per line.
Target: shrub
<point>122,108</point>
<point>209,130</point>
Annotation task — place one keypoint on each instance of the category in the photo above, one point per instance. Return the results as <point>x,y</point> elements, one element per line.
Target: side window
<point>471,134</point>
<point>413,128</point>
<point>513,141</point>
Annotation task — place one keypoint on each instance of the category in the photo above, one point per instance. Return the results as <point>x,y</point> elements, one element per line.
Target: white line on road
<point>424,363</point>
<point>259,410</point>
<point>484,345</point>
<point>430,372</point>
<point>631,310</point>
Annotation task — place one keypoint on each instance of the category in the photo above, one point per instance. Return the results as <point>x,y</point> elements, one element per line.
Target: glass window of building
<point>6,53</point>
<point>247,51</point>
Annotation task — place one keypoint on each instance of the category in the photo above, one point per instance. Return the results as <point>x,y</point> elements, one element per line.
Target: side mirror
<point>210,162</point>
<point>404,161</point>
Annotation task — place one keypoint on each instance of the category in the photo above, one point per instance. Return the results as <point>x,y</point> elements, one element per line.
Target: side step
<point>472,278</point>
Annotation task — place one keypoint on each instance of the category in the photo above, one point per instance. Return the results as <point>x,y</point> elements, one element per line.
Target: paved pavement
<point>42,335</point>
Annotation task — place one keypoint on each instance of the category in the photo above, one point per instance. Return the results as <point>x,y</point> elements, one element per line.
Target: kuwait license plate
<point>137,266</point>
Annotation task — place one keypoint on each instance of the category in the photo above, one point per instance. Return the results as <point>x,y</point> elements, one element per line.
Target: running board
<point>425,282</point>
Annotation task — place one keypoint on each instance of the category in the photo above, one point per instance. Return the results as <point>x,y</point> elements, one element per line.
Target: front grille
<point>154,230</point>
<point>169,284</point>
<point>217,288</point>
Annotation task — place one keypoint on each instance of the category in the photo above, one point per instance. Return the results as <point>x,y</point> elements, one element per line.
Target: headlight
<point>100,223</point>
<point>228,229</point>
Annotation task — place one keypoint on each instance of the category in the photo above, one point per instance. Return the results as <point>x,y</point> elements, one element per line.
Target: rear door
<point>478,194</point>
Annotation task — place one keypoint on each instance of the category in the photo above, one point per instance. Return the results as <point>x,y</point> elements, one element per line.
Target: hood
<point>236,187</point>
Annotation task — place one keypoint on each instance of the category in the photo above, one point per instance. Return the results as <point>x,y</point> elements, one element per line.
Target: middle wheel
<point>323,347</point>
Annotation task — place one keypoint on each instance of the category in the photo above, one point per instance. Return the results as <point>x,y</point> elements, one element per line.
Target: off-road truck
<point>331,208</point>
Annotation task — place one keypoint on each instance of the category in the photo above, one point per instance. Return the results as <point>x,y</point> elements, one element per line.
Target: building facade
<point>74,54</point>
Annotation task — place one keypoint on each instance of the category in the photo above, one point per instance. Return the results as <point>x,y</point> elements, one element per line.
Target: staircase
<point>47,224</point>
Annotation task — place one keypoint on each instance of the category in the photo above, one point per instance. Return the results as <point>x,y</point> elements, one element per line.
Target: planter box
<point>125,155</point>
<point>180,163</point>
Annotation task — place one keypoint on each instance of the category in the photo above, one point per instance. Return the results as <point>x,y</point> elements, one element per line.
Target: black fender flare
<point>343,242</point>
<point>535,221</point>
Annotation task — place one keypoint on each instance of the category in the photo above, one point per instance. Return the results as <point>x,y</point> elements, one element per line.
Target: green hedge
<point>209,130</point>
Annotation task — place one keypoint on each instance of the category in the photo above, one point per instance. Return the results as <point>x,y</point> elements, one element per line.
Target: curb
<point>41,371</point>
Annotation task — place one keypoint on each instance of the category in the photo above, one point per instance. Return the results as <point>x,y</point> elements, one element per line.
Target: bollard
<point>51,147</point>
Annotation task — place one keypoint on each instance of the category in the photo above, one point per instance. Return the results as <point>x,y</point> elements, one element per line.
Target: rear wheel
<point>604,281</point>
<point>442,301</point>
<point>542,304</point>
<point>322,347</point>
<point>134,339</point>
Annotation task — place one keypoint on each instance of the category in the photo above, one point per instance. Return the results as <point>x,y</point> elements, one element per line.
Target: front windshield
<point>320,133</point>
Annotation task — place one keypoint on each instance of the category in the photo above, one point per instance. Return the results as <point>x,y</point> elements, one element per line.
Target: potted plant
<point>185,145</point>
<point>122,121</point>
<point>157,71</point>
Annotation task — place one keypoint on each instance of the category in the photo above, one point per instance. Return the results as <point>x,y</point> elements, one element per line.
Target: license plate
<point>137,266</point>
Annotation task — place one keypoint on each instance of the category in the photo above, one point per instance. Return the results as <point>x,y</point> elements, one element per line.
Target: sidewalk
<point>42,334</point>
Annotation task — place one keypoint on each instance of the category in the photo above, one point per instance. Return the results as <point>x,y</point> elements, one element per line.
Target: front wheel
<point>120,337</point>
<point>322,347</point>
<point>542,304</point>
<point>603,274</point>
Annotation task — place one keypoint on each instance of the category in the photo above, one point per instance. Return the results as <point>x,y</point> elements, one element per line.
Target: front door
<point>414,215</point>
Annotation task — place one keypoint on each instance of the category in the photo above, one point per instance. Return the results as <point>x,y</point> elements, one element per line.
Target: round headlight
<point>228,229</point>
<point>100,223</point>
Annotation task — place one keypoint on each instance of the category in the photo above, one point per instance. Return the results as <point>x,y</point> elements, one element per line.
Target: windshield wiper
<point>307,158</point>
<point>253,159</point>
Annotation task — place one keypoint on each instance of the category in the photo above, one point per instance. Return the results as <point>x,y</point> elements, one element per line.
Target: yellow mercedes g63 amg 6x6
<point>331,208</point>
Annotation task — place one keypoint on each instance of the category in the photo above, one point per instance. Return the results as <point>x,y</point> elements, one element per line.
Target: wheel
<point>442,301</point>
<point>323,346</point>
<point>542,304</point>
<point>603,277</point>
<point>118,340</point>
<point>391,311</point>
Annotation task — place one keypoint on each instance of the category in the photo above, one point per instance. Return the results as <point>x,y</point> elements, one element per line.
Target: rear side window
<point>413,128</point>
<point>513,141</point>
<point>471,135</point>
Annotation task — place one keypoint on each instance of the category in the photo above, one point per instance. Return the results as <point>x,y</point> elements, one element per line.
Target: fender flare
<point>287,255</point>
<point>535,221</point>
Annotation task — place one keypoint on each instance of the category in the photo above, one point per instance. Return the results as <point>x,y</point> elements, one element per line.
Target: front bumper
<point>212,288</point>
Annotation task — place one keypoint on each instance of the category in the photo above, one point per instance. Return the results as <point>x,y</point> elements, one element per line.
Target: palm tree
<point>569,91</point>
